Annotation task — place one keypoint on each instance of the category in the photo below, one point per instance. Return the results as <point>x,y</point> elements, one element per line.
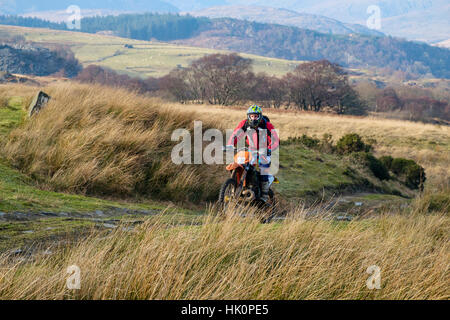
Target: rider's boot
<point>265,186</point>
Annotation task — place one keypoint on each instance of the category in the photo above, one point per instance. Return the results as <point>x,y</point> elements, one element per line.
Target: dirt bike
<point>244,186</point>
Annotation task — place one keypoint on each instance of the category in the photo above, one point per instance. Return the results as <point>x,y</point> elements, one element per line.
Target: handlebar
<point>226,148</point>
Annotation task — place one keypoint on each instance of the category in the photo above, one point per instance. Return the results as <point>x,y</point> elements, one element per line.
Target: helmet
<point>254,110</point>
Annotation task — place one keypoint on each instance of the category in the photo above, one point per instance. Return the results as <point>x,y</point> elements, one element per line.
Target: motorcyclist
<point>262,140</point>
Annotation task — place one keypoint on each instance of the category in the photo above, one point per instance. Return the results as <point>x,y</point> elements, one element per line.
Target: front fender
<point>233,166</point>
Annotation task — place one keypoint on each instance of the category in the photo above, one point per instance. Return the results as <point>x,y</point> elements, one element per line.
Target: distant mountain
<point>425,20</point>
<point>430,25</point>
<point>285,17</point>
<point>27,6</point>
<point>270,40</point>
<point>62,15</point>
<point>444,44</point>
<point>292,43</point>
<point>191,5</point>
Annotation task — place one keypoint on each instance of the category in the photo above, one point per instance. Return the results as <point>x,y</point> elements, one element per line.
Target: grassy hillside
<point>428,144</point>
<point>104,141</point>
<point>113,142</point>
<point>20,193</point>
<point>286,17</point>
<point>306,256</point>
<point>145,59</point>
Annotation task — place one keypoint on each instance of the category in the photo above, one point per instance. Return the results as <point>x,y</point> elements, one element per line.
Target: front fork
<point>240,185</point>
<point>248,194</point>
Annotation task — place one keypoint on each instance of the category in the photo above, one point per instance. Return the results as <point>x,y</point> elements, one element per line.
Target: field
<point>68,196</point>
<point>156,59</point>
<point>145,59</point>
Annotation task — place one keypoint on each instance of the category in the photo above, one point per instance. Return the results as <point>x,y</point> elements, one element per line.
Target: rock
<point>28,231</point>
<point>149,212</point>
<point>358,204</point>
<point>63,214</point>
<point>17,251</point>
<point>15,216</point>
<point>344,218</point>
<point>30,59</point>
<point>109,226</point>
<point>99,213</point>
<point>48,214</point>
<point>38,103</point>
<point>5,76</point>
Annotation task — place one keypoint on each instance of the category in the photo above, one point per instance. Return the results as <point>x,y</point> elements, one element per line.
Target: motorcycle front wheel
<point>227,192</point>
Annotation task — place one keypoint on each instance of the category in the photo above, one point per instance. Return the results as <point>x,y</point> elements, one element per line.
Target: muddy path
<point>23,234</point>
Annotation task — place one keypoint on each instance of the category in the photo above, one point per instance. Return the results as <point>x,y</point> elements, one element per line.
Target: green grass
<point>26,234</point>
<point>18,193</point>
<point>11,115</point>
<point>311,174</point>
<point>307,172</point>
<point>14,235</point>
<point>145,59</point>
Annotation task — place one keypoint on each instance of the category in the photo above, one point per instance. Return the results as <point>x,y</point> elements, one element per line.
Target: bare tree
<point>222,78</point>
<point>387,100</point>
<point>176,85</point>
<point>269,90</point>
<point>313,85</point>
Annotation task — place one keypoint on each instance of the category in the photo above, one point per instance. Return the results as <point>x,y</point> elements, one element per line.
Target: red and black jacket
<point>273,140</point>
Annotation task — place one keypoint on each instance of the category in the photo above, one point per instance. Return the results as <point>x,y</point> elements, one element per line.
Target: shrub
<point>414,174</point>
<point>326,144</point>
<point>352,142</point>
<point>399,165</point>
<point>439,202</point>
<point>305,140</point>
<point>377,167</point>
<point>387,161</point>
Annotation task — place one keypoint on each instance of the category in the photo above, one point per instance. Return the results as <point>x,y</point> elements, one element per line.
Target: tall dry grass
<point>238,258</point>
<point>108,141</point>
<point>96,139</point>
<point>3,102</point>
